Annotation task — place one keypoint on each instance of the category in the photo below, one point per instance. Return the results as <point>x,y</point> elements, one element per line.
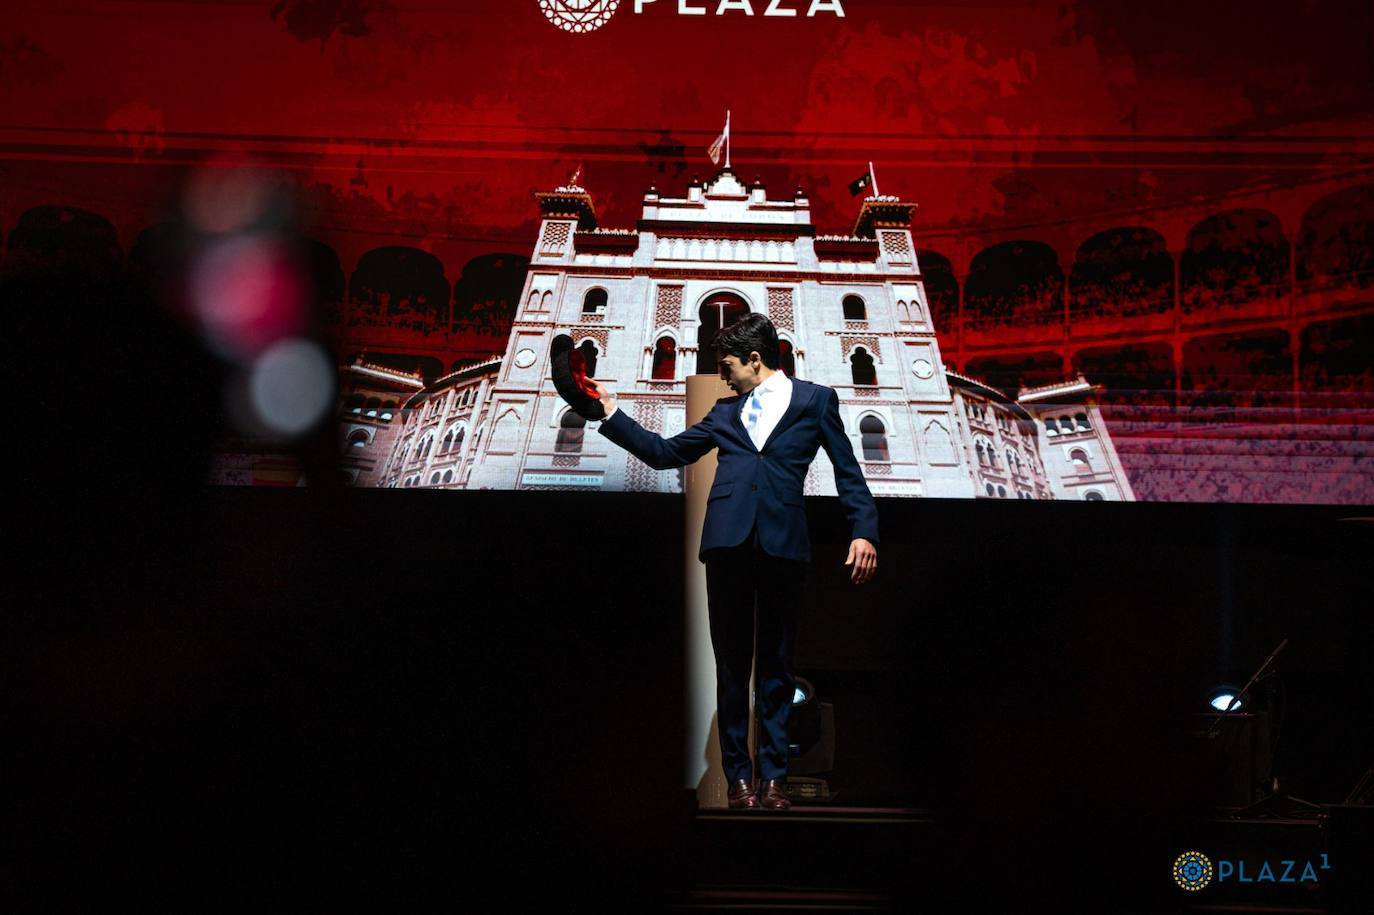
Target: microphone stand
<point>1239,696</point>
<point>1264,805</point>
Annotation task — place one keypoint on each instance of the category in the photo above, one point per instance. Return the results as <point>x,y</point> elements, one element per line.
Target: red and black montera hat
<point>569,368</point>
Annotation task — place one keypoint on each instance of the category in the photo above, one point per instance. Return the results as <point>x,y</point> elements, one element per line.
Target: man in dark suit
<point>754,540</point>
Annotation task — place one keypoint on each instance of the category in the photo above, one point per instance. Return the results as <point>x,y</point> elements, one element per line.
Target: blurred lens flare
<point>248,292</point>
<point>291,386</point>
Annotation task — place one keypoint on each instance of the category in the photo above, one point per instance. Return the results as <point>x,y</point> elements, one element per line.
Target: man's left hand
<point>864,557</point>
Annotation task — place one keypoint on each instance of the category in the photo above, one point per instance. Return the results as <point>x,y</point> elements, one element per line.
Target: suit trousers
<point>754,600</point>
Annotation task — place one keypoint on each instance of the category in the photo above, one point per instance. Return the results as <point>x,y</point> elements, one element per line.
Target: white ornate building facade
<point>643,304</point>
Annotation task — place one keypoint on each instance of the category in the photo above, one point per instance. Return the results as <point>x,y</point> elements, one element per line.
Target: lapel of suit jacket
<point>801,396</point>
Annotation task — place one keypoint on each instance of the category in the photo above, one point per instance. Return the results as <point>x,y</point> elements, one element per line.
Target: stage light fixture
<point>1223,698</point>
<point>804,725</point>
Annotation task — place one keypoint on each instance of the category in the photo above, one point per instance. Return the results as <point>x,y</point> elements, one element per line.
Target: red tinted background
<point>1173,198</point>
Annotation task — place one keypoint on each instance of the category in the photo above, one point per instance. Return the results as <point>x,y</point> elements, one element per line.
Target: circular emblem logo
<point>1192,870</point>
<point>578,15</point>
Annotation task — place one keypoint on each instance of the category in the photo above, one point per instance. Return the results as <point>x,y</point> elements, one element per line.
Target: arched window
<point>982,455</point>
<point>1079,457</point>
<point>448,442</point>
<point>448,476</point>
<point>354,404</point>
<point>717,312</point>
<point>571,429</point>
<point>989,488</point>
<point>358,439</point>
<point>861,367</point>
<point>1093,495</point>
<point>594,302</point>
<point>1002,492</point>
<point>665,359</point>
<point>874,438</point>
<point>1051,428</point>
<point>786,359</point>
<point>458,437</point>
<point>434,478</point>
<point>854,309</point>
<point>1082,421</point>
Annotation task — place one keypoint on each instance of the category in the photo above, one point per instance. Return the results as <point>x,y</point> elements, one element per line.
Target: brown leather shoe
<point>774,797</point>
<point>742,796</point>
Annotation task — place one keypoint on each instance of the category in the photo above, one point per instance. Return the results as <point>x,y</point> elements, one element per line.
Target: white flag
<point>714,149</point>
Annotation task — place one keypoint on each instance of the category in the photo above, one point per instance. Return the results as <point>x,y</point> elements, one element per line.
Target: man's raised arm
<point>658,452</point>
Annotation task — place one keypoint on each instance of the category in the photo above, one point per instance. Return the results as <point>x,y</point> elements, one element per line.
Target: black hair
<point>753,333</point>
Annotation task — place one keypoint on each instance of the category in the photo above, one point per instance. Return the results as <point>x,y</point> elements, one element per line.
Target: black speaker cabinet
<point>1235,759</point>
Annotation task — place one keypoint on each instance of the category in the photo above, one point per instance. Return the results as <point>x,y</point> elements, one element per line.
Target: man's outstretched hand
<point>604,393</point>
<point>864,557</point>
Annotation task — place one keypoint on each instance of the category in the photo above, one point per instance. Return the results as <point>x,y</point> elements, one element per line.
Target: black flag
<point>858,184</point>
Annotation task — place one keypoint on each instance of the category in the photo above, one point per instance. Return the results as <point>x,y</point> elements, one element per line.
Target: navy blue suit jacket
<point>761,485</point>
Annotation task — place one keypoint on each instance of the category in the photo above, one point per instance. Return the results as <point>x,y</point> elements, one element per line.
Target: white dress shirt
<point>775,395</point>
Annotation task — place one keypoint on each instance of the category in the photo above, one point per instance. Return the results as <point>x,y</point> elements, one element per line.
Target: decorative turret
<point>888,221</point>
<point>571,201</point>
<point>564,210</point>
<point>883,213</point>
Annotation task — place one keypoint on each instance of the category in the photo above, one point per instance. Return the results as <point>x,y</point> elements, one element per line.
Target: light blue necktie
<point>751,416</point>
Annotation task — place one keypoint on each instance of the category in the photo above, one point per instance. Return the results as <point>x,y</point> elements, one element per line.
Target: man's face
<point>742,377</point>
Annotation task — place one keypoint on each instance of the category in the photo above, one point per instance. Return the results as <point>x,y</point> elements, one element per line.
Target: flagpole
<point>727,137</point>
<point>872,174</point>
